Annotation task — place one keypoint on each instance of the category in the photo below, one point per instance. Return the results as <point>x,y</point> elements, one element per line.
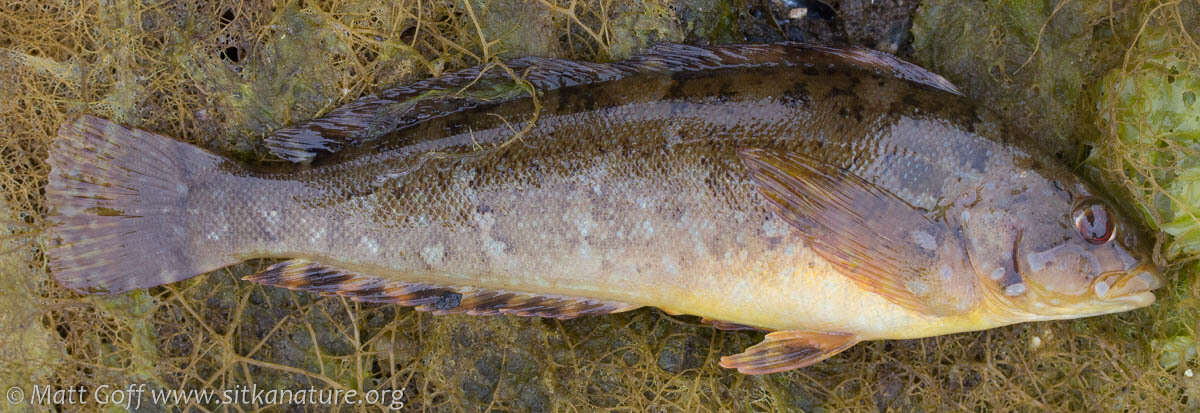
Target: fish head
<point>1047,246</point>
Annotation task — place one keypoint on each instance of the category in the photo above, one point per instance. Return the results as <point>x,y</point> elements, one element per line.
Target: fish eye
<point>1094,223</point>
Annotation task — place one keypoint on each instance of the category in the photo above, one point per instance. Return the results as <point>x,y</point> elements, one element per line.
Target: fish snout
<point>1134,285</point>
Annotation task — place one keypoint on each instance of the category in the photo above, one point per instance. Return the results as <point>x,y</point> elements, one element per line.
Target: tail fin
<point>117,199</point>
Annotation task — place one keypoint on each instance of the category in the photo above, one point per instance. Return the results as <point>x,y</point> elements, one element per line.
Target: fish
<point>825,196</point>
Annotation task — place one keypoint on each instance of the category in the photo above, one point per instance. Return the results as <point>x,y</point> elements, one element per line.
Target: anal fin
<point>304,275</point>
<point>787,350</point>
<point>728,326</point>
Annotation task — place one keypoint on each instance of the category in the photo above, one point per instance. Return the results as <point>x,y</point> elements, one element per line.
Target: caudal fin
<point>118,207</point>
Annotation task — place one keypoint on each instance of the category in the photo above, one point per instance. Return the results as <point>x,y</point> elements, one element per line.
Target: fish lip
<point>1133,286</point>
<point>1136,300</point>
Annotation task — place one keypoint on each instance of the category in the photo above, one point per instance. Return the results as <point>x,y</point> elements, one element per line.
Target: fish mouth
<point>1133,287</point>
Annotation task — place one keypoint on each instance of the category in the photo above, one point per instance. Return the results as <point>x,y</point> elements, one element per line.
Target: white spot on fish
<point>213,236</point>
<point>1014,290</point>
<point>1041,260</point>
<point>369,244</point>
<point>670,265</point>
<point>924,240</point>
<point>272,216</point>
<point>495,249</point>
<point>1101,288</point>
<point>962,305</point>
<point>648,228</point>
<point>644,202</point>
<point>917,287</point>
<point>966,216</point>
<point>946,273</point>
<point>584,225</point>
<point>485,221</point>
<point>433,254</point>
<point>774,227</point>
<point>997,274</point>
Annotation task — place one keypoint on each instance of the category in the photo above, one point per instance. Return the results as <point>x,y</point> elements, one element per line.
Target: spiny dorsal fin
<point>892,65</point>
<point>678,57</point>
<point>304,275</point>
<point>869,235</point>
<point>787,350</point>
<point>374,116</point>
<point>392,109</point>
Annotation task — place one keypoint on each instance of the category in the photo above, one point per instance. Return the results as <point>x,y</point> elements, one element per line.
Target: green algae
<point>263,87</point>
<point>28,348</point>
<point>1174,351</point>
<point>1152,110</point>
<point>535,36</point>
<point>1183,194</point>
<point>1151,128</point>
<point>139,357</point>
<point>640,25</point>
<point>710,21</point>
<point>1031,60</point>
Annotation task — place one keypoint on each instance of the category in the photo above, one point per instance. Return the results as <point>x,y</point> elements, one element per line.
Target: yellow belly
<point>798,290</point>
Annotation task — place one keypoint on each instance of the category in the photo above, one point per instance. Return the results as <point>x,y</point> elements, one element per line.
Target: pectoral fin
<point>786,350</point>
<point>868,234</point>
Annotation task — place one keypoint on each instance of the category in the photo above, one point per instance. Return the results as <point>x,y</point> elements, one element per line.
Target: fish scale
<point>809,191</point>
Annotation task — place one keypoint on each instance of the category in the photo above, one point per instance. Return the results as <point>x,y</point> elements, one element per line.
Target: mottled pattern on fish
<point>633,183</point>
<point>785,187</point>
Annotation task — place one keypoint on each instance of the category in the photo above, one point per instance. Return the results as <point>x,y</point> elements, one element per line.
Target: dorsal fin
<point>894,66</point>
<point>671,57</point>
<point>304,275</point>
<point>374,116</point>
<point>395,108</point>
